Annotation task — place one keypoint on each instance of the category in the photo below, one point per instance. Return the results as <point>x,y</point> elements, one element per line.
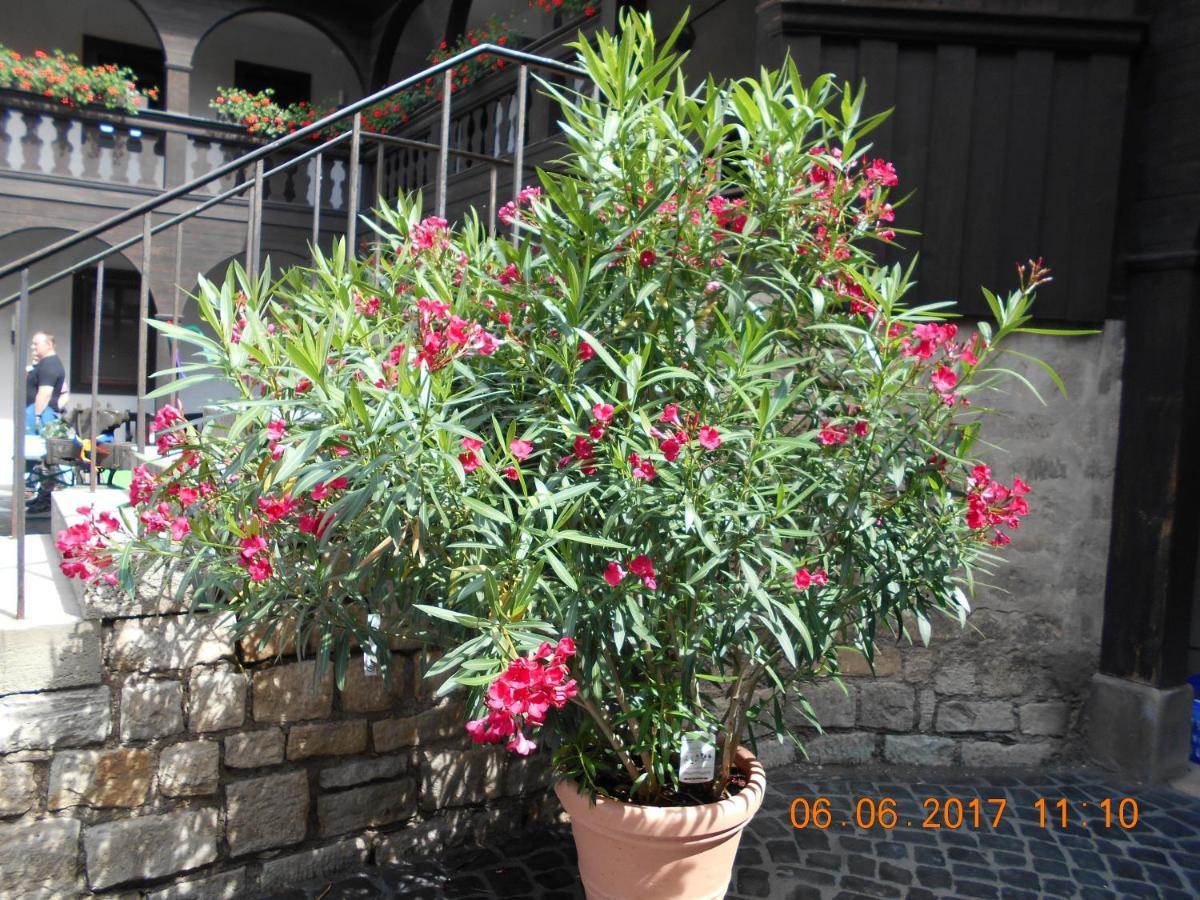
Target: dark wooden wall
<point>1009,126</point>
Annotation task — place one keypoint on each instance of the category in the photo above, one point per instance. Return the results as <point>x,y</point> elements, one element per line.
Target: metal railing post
<point>379,148</point>
<point>256,202</point>
<point>443,169</point>
<point>519,149</point>
<point>352,178</point>
<point>492,179</point>
<point>316,228</point>
<point>99,302</point>
<point>143,334</point>
<point>176,307</point>
<point>246,263</point>
<point>18,489</point>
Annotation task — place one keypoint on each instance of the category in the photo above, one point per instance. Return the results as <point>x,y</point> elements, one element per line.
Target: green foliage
<point>704,249</point>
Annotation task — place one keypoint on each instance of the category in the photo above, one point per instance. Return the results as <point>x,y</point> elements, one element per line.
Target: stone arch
<point>425,22</point>
<point>242,35</point>
<point>27,27</point>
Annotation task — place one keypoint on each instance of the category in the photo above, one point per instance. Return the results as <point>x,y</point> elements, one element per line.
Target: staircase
<point>473,149</point>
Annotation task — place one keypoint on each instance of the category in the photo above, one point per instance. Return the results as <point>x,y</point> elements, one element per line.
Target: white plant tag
<point>697,759</point>
<point>371,651</point>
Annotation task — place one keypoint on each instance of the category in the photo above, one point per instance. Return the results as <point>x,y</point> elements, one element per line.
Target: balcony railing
<point>45,140</point>
<point>290,170</point>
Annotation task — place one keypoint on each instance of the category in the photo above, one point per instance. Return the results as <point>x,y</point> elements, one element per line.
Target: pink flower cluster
<point>804,579</point>
<point>255,557</point>
<point>167,429</point>
<point>640,567</point>
<point>520,449</point>
<point>86,551</point>
<point>930,337</point>
<point>511,210</point>
<point>523,695</point>
<point>990,504</point>
<point>441,344</point>
<point>728,213</point>
<point>429,234</point>
<point>830,178</point>
<point>832,434</point>
<point>368,307</point>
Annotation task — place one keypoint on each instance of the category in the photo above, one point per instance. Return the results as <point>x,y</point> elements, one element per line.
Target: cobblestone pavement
<point>1018,857</point>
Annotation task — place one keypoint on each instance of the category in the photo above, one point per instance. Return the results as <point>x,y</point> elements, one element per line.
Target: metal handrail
<point>316,127</point>
<point>253,245</point>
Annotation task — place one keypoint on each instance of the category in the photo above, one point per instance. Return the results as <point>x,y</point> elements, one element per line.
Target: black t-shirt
<point>48,372</point>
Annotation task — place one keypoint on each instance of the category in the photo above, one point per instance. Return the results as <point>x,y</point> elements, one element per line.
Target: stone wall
<point>170,762</point>
<point>1009,690</point>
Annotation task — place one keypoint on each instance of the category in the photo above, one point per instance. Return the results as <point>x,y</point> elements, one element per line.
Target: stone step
<point>52,647</point>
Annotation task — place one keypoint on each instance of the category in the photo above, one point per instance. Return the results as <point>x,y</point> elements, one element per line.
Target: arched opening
<point>109,31</point>
<point>60,308</point>
<point>413,31</point>
<point>255,50</point>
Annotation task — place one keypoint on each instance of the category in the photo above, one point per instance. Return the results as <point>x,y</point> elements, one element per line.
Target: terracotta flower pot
<point>631,852</point>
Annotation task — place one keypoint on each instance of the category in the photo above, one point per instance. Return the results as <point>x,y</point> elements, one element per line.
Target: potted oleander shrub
<point>641,467</point>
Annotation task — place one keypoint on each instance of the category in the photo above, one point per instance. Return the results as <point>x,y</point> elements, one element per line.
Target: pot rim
<point>608,814</point>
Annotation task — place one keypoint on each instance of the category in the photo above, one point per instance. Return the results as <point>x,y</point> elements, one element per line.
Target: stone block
<point>49,657</point>
<point>955,716</point>
<point>360,771</point>
<point>1044,718</point>
<point>309,865</point>
<point>254,748</point>
<point>833,705</point>
<point>216,699</point>
<point>367,693</point>
<point>459,777</point>
<point>168,642</point>
<point>531,774</point>
<point>918,665</point>
<point>435,834</point>
<point>888,706</point>
<point>156,594</point>
<point>434,725</point>
<point>261,813</point>
<point>994,753</point>
<point>59,719</point>
<point>327,739</point>
<point>852,663</point>
<point>926,705</point>
<point>40,859</point>
<point>918,750</point>
<point>852,748</point>
<point>367,807</point>
<point>190,769</point>
<point>1007,677</point>
<point>150,846</point>
<point>223,886</point>
<point>292,693</point>
<point>104,779</point>
<point>264,642</point>
<point>150,709</point>
<point>18,789</point>
<point>771,752</point>
<point>956,679</point>
<point>1138,730</point>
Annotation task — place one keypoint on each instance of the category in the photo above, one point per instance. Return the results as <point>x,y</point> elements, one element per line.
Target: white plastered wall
<point>270,39</point>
